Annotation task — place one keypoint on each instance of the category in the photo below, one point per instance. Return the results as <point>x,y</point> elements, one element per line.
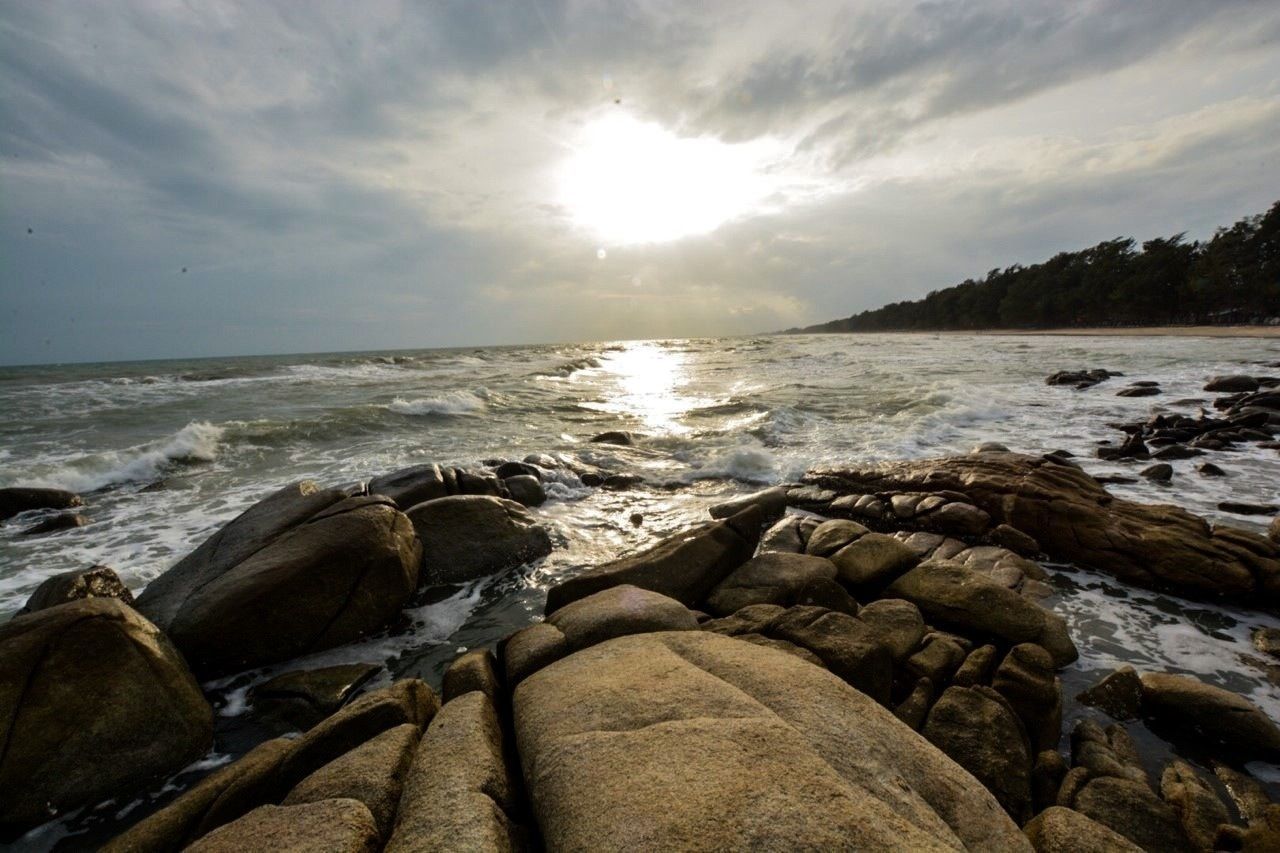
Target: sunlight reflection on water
<point>649,381</point>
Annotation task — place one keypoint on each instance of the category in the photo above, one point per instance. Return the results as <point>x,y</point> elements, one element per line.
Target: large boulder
<point>286,579</point>
<point>458,794</point>
<point>1074,519</point>
<point>681,740</point>
<point>465,537</point>
<point>94,582</point>
<point>327,826</point>
<point>773,578</point>
<point>846,645</point>
<point>685,567</point>
<point>1132,809</point>
<point>952,595</point>
<point>618,611</point>
<point>1061,830</point>
<point>1186,707</point>
<point>1199,809</point>
<point>94,702</point>
<point>18,499</point>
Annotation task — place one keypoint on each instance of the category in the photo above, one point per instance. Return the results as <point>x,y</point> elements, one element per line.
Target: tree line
<point>1232,278</point>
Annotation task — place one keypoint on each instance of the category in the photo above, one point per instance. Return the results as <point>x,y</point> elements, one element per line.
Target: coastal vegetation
<point>1231,278</point>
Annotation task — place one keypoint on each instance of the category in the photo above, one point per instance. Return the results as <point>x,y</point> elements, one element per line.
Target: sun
<point>628,181</point>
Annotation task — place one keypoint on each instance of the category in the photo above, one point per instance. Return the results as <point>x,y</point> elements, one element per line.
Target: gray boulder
<point>466,537</point>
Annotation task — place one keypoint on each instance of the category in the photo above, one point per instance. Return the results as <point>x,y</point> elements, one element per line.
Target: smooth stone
<point>772,503</point>
<point>465,537</point>
<point>990,447</point>
<point>915,708</point>
<point>937,660</point>
<point>329,826</point>
<point>830,536</point>
<point>1131,809</point>
<point>872,559</point>
<point>1014,539</point>
<point>95,703</point>
<point>617,436</point>
<point>56,524</point>
<point>306,697</point>
<point>768,579</point>
<point>618,611</point>
<point>783,537</point>
<point>1161,472</point>
<point>845,644</point>
<point>530,649</point>
<point>1026,679</point>
<point>1204,712</point>
<point>525,490</point>
<point>94,582</point>
<point>957,519</point>
<point>458,793</point>
<point>473,670</point>
<point>782,646</point>
<point>895,624</point>
<point>635,743</point>
<point>977,667</point>
<point>1234,384</point>
<point>1208,469</point>
<point>1062,830</point>
<point>413,485</point>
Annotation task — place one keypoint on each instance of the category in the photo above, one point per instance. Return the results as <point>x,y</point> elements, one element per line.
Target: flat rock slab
<point>665,742</point>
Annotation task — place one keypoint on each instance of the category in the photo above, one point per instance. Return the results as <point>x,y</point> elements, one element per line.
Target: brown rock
<point>1133,810</point>
<point>306,697</point>
<point>1026,678</point>
<point>618,611</point>
<point>845,644</point>
<point>1187,707</point>
<point>95,582</point>
<point>1198,808</point>
<point>977,667</point>
<point>473,670</point>
<point>768,579</point>
<point>830,536</point>
<point>530,649</point>
<point>465,537</point>
<point>329,826</point>
<point>871,560</point>
<point>895,624</point>
<point>1059,830</point>
<point>1118,694</point>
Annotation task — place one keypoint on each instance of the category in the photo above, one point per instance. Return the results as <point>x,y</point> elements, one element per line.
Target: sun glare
<point>629,181</point>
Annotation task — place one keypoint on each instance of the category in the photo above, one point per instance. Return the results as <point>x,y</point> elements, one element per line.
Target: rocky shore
<point>861,660</point>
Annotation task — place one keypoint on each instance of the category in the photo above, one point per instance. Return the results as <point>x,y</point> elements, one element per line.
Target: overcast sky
<point>212,178</point>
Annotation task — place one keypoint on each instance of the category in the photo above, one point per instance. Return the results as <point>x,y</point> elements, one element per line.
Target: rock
<point>1014,539</point>
<point>458,793</point>
<point>1232,384</point>
<point>95,702</point>
<point>990,447</point>
<point>525,490</point>
<point>1176,451</point>
<point>62,521</point>
<point>1138,391</point>
<point>830,536</point>
<point>1208,469</point>
<point>937,660</point>
<point>1267,641</point>
<point>530,649</point>
<point>512,469</point>
<point>1047,774</point>
<point>957,519</point>
<point>1119,694</point>
<point>1060,830</point>
<point>1131,809</point>
<point>783,537</point>
<point>16,500</point>
<point>636,519</point>
<point>410,486</point>
<point>635,743</point>
<point>768,579</point>
<point>618,611</point>
<point>95,582</point>
<point>465,537</point>
<point>1261,836</point>
<point>1075,520</point>
<point>981,733</point>
<point>306,697</point>
<point>872,560</point>
<point>782,646</point>
<point>277,581</point>
<point>1161,472</point>
<point>895,624</point>
<point>1273,531</point>
<point>685,567</point>
<point>372,773</point>
<point>915,708</point>
<point>825,592</point>
<point>473,670</point>
<point>621,482</point>
<point>1248,795</point>
<point>619,437</point>
<point>1026,679</point>
<point>1198,808</point>
<point>755,619</point>
<point>772,503</point>
<point>845,644</point>
<point>224,795</point>
<point>1241,508</point>
<point>1190,708</point>
<point>921,543</point>
<point>977,667</point>
<point>949,594</point>
<point>329,826</point>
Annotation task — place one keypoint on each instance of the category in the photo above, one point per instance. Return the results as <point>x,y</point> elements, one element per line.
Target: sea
<point>165,452</point>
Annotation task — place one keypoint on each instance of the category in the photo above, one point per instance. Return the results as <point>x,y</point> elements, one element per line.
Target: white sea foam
<point>449,403</point>
<point>198,441</point>
<point>748,463</point>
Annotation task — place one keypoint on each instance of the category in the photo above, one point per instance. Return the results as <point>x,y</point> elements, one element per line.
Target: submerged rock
<point>60,522</point>
<point>19,499</point>
<point>96,703</point>
<point>659,741</point>
<point>306,697</point>
<point>465,537</point>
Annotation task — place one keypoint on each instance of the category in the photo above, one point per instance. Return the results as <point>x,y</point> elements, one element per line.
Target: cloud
<point>384,174</point>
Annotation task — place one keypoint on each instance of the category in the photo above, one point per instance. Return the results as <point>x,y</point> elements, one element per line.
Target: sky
<point>212,178</point>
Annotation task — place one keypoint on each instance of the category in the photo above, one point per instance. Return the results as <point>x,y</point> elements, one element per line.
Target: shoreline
<point>1089,332</point>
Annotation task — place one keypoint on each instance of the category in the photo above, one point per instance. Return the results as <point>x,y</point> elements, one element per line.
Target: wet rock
<point>1138,391</point>
<point>951,595</point>
<point>1232,384</point>
<point>1060,830</point>
<point>473,670</point>
<point>1047,773</point>
<point>1075,520</point>
<point>1198,808</point>
<point>1241,508</point>
<point>512,469</point>
<point>1119,694</point>
<point>636,519</point>
<point>306,697</point>
<point>617,436</point>
<point>621,482</point>
<point>16,500</point>
<point>1190,708</point>
<point>1267,641</point>
<point>1176,451</point>
<point>1248,795</point>
<point>1161,472</point>
<point>845,644</point>
<point>990,447</point>
<point>1026,679</point>
<point>1131,809</point>
<point>530,649</point>
<point>56,524</point>
<point>772,503</point>
<point>1208,469</point>
<point>458,792</point>
<point>783,537</point>
<point>618,611</point>
<point>410,486</point>
<point>768,579</point>
<point>976,727</point>
<point>685,567</point>
<point>329,826</point>
<point>96,703</point>
<point>465,537</point>
<point>372,773</point>
<point>872,560</point>
<point>628,745</point>
<point>830,536</point>
<point>277,581</point>
<point>1079,379</point>
<point>977,667</point>
<point>1261,836</point>
<point>525,490</point>
<point>95,582</point>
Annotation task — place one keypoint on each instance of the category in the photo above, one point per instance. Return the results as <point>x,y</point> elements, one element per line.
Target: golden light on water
<point>649,381</point>
<point>629,181</point>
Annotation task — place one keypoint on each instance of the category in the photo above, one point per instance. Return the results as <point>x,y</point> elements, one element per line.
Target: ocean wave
<point>568,368</point>
<point>197,442</point>
<point>449,403</point>
<point>746,463</point>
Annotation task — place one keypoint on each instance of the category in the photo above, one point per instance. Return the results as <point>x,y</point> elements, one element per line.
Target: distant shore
<point>1153,331</point>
